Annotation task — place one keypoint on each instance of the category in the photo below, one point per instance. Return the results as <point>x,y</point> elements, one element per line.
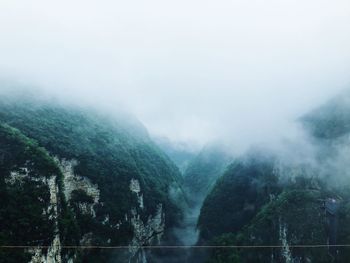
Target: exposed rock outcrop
<point>145,233</point>
<point>73,182</point>
<point>53,253</point>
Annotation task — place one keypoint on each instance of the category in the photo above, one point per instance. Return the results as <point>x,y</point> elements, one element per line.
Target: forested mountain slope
<point>203,171</point>
<point>238,195</point>
<point>32,211</point>
<point>180,153</point>
<point>199,177</point>
<point>331,120</point>
<point>110,176</point>
<point>268,202</point>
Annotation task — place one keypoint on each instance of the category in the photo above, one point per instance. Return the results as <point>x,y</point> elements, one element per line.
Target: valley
<point>85,179</point>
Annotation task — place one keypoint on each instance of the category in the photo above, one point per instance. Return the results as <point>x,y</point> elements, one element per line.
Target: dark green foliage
<point>22,202</point>
<point>300,213</point>
<point>80,196</point>
<point>223,255</point>
<point>294,213</point>
<point>331,120</point>
<point>265,201</point>
<point>108,152</point>
<point>237,197</point>
<point>203,171</point>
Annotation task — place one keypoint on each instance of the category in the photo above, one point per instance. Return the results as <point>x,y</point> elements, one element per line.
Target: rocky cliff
<point>81,178</point>
<point>286,208</point>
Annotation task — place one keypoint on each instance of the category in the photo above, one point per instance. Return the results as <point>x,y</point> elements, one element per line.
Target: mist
<point>190,71</point>
<point>238,73</point>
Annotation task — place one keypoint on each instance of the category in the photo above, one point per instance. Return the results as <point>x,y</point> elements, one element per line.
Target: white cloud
<point>191,70</point>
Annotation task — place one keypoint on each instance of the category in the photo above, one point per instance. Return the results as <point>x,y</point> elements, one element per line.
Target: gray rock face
<point>286,253</point>
<point>73,182</point>
<point>54,252</point>
<point>145,233</point>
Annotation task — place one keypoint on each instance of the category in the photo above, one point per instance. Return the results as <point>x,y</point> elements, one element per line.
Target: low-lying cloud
<point>189,70</point>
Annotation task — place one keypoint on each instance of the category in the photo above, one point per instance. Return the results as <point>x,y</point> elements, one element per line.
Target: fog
<point>192,71</point>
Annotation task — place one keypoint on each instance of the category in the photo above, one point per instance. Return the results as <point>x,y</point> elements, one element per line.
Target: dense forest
<point>113,181</point>
<point>265,199</point>
<point>74,176</point>
<point>154,131</point>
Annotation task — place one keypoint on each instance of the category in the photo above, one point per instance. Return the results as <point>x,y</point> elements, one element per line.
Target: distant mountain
<point>331,120</point>
<point>73,176</point>
<point>203,170</point>
<point>264,200</point>
<point>179,152</point>
<point>238,195</point>
<point>199,177</point>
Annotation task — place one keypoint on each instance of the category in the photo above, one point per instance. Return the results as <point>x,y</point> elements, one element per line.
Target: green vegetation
<point>260,202</point>
<point>203,171</point>
<point>299,214</point>
<point>237,197</point>
<point>24,215</point>
<point>331,120</point>
<point>260,208</point>
<point>108,152</point>
<point>267,208</point>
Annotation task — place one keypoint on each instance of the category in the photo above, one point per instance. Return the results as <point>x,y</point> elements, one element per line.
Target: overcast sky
<point>188,69</point>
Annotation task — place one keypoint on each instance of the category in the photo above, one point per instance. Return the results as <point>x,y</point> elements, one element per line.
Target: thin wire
<point>175,247</point>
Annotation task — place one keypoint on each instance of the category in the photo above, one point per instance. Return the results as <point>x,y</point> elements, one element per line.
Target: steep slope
<point>263,204</point>
<point>331,120</point>
<point>270,202</point>
<point>295,218</point>
<point>180,153</point>
<point>199,177</point>
<point>203,171</point>
<point>115,180</point>
<point>237,196</point>
<point>33,211</point>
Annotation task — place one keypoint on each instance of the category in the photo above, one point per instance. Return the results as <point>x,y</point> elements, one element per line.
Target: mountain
<point>82,177</point>
<point>203,170</point>
<point>199,177</point>
<point>331,120</point>
<point>31,192</point>
<point>179,152</point>
<point>295,218</point>
<point>238,195</point>
<point>264,199</point>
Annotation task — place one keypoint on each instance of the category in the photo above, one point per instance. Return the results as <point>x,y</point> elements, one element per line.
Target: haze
<point>189,70</point>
